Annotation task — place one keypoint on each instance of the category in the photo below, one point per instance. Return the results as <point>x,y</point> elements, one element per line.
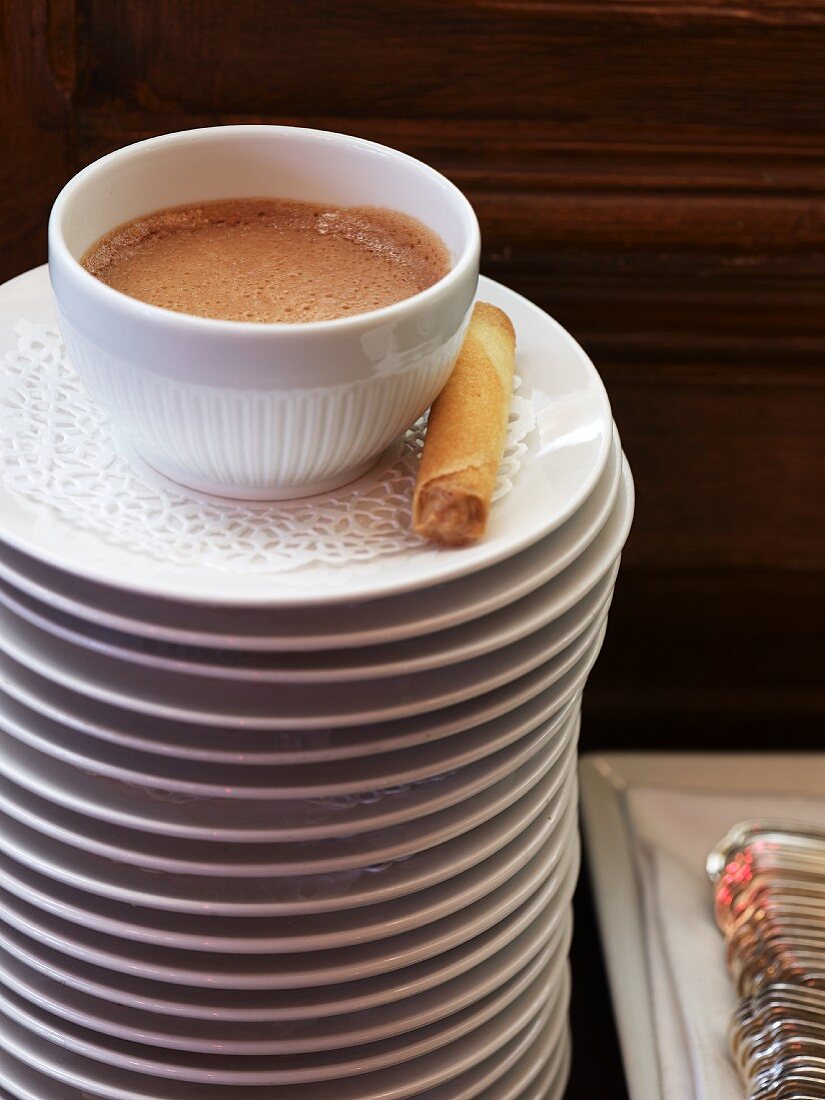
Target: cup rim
<point>109,296</point>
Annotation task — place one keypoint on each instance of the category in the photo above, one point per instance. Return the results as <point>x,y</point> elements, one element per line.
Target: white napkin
<point>692,995</point>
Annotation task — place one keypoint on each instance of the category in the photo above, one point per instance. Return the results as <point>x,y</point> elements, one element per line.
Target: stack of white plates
<point>299,828</point>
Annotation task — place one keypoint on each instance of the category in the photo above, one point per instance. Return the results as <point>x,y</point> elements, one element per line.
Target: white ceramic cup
<point>244,409</point>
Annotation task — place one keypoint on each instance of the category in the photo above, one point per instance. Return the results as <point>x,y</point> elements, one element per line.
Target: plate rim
<point>541,927</point>
<point>373,586</point>
<point>562,872</point>
<point>517,1009</point>
<point>78,798</point>
<point>81,877</point>
<point>552,940</point>
<point>43,657</point>
<point>218,663</point>
<point>124,967</point>
<point>285,639</point>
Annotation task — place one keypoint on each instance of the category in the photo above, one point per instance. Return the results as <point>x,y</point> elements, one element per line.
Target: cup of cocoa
<point>262,310</point>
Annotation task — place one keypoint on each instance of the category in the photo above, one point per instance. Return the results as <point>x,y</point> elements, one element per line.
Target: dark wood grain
<point>36,84</point>
<point>596,71</point>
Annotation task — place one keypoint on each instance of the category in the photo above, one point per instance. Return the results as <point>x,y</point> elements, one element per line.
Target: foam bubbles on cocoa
<point>270,260</point>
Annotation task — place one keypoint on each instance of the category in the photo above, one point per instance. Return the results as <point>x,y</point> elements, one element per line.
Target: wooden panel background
<point>650,172</point>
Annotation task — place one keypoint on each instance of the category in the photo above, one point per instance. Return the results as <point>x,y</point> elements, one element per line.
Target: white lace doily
<point>59,453</point>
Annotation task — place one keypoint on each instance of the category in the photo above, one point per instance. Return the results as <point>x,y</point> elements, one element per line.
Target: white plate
<point>34,1070</point>
<point>155,947</point>
<point>488,1025</point>
<point>369,886</point>
<point>205,815</point>
<point>353,625</point>
<point>292,1037</point>
<point>437,648</point>
<point>27,1083</point>
<point>605,780</point>
<point>477,639</point>
<point>186,698</point>
<point>486,1073</point>
<point>252,934</point>
<point>535,1072</point>
<point>260,924</point>
<point>566,456</point>
<point>538,693</point>
<point>376,622</point>
<point>539,916</point>
<point>246,934</point>
<point>444,648</point>
<point>74,932</point>
<point>245,879</point>
<point>74,770</point>
<point>41,985</point>
<point>550,1083</point>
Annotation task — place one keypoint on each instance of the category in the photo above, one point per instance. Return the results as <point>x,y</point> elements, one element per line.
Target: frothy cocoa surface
<point>270,259</point>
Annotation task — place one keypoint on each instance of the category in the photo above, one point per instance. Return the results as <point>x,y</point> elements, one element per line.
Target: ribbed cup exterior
<point>252,442</point>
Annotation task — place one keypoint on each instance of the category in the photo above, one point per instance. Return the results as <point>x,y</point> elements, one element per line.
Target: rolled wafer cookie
<point>466,433</point>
